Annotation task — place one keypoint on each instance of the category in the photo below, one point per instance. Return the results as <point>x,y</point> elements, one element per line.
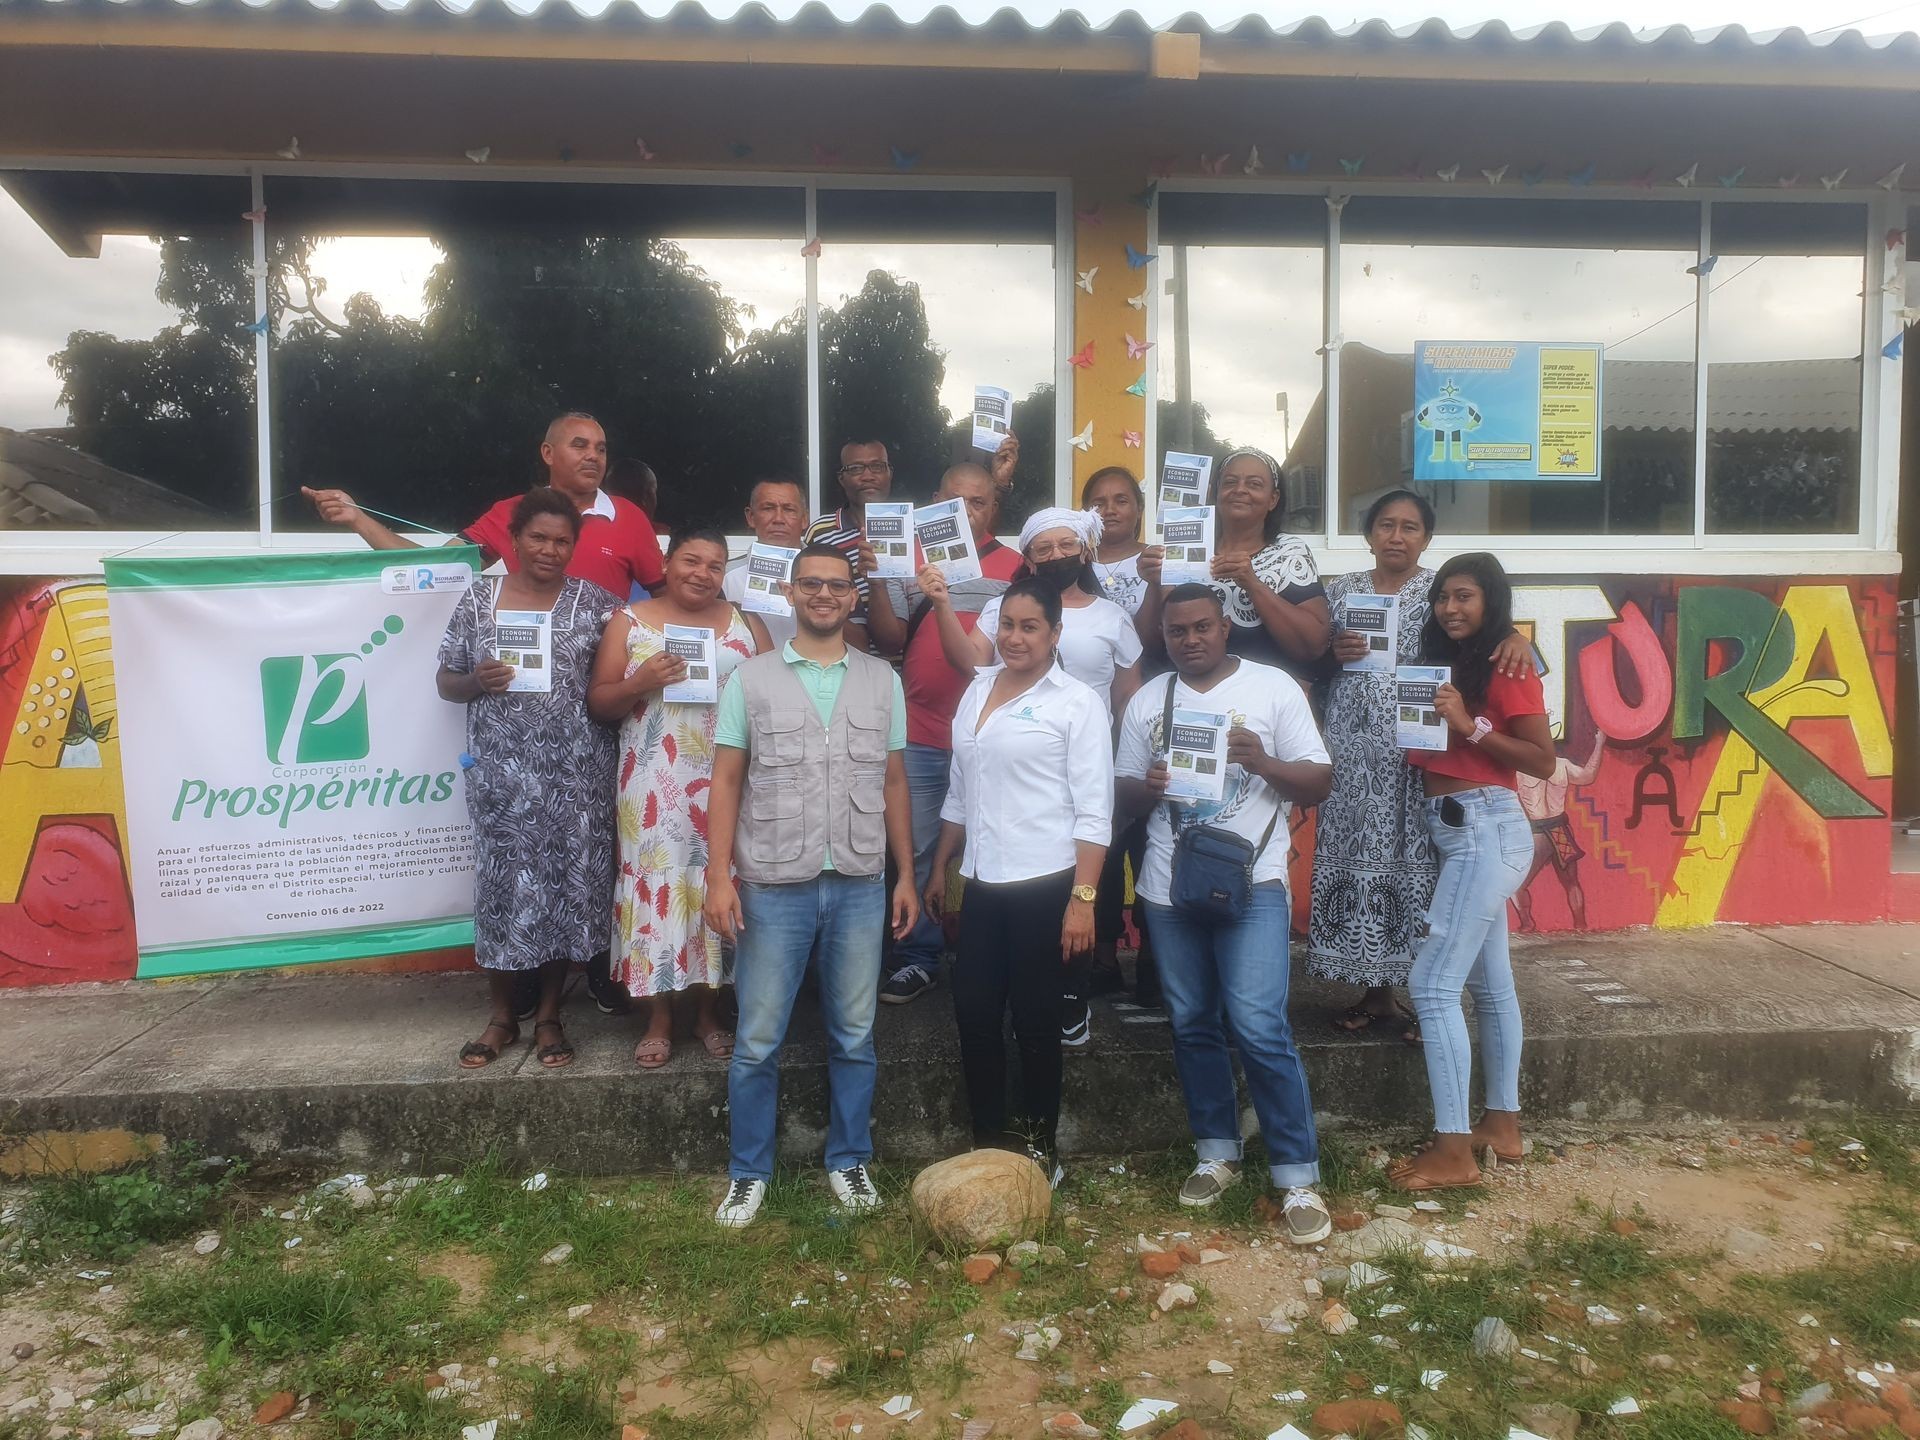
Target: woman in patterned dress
<point>1373,864</point>
<point>539,778</point>
<point>1276,609</point>
<point>661,945</point>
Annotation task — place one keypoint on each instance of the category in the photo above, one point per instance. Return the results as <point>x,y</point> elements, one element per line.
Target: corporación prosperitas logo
<point>315,706</point>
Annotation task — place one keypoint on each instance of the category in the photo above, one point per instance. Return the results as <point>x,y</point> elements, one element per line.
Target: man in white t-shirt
<point>777,515</point>
<point>1274,756</point>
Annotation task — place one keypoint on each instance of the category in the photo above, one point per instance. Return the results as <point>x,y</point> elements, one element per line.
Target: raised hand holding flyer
<point>1187,533</point>
<point>1417,724</point>
<point>696,645</point>
<point>1184,478</point>
<point>1197,756</point>
<point>524,640</point>
<point>889,526</point>
<point>768,567</point>
<point>992,416</point>
<point>1378,618</point>
<point>946,537</point>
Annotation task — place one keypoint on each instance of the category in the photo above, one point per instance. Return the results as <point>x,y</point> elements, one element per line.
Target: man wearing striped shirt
<point>865,473</point>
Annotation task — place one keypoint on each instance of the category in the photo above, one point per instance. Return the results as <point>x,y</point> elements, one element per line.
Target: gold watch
<point>1085,893</point>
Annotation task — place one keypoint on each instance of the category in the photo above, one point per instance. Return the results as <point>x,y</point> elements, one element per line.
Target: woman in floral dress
<point>661,945</point>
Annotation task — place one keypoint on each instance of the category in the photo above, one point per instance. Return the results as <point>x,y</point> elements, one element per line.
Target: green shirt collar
<point>794,657</point>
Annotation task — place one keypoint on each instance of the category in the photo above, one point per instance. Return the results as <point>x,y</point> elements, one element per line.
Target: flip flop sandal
<point>477,1054</point>
<point>719,1044</point>
<point>1412,1182</point>
<point>652,1054</point>
<point>557,1055</point>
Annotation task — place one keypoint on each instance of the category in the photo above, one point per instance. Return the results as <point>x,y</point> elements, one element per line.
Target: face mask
<point>1060,574</point>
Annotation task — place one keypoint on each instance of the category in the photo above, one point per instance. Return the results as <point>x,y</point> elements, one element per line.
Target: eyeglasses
<point>813,585</point>
<point>866,467</point>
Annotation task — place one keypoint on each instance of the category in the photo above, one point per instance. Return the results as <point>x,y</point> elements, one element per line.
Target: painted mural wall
<point>1726,749</point>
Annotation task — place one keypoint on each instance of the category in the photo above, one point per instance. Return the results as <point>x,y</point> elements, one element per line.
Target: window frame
<point>1871,547</point>
<point>80,552</point>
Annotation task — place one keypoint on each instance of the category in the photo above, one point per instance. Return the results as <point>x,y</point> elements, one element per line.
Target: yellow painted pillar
<point>1108,217</point>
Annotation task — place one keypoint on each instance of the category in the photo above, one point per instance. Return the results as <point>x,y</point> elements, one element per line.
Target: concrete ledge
<point>1626,1028</point>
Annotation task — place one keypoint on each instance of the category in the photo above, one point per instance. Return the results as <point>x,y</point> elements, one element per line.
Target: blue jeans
<point>844,914</point>
<point>1483,862</point>
<point>1242,966</point>
<point>927,768</point>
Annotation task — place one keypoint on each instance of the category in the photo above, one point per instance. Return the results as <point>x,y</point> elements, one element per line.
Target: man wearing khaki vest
<point>809,797</point>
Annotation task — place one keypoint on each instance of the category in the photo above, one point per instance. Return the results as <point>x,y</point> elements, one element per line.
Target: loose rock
<point>559,1255</point>
<point>1069,1426</point>
<point>1176,1297</point>
<point>275,1408</point>
<point>1745,1244</point>
<point>1492,1337</point>
<point>1160,1264</point>
<point>1374,1239</point>
<point>1336,1319</point>
<point>980,1268</point>
<point>1363,1419</point>
<point>1553,1422</point>
<point>207,1429</point>
<point>982,1199</point>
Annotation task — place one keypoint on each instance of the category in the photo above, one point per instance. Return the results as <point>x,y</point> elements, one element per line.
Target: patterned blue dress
<point>1373,865</point>
<point>540,791</point>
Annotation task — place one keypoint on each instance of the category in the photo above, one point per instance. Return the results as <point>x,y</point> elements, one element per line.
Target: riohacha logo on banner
<point>292,774</point>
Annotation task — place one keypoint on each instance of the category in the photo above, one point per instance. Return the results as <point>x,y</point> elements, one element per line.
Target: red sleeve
<point>648,567</point>
<point>489,532</point>
<point>1516,696</point>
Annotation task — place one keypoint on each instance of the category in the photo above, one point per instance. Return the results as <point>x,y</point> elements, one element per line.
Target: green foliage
<point>1866,1301</point>
<point>1754,1338</point>
<point>108,1216</point>
<point>1600,1259</point>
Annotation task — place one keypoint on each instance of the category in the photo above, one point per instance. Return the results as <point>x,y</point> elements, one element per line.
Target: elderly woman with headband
<point>1098,646</point>
<point>1276,609</point>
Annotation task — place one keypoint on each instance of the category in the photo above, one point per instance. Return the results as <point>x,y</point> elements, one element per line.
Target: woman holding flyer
<point>539,772</point>
<point>1495,725</point>
<point>1275,604</point>
<point>1031,801</point>
<point>1116,496</point>
<point>660,671</point>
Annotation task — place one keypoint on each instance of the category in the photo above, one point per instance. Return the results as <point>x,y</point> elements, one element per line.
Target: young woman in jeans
<point>1031,799</point>
<point>1484,846</point>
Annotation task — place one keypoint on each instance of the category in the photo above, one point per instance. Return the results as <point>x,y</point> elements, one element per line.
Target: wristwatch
<point>1085,893</point>
<point>1482,727</point>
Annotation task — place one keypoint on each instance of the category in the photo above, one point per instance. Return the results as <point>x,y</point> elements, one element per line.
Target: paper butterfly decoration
<point>823,156</point>
<point>1253,165</point>
<point>1130,439</point>
<point>1084,278</point>
<point>1137,348</point>
<point>1139,259</point>
<point>1728,182</point>
<point>1352,167</point>
<point>481,155</point>
<point>1893,347</point>
<point>566,154</point>
<point>1082,359</point>
<point>1214,164</point>
<point>811,249</point>
<point>1084,440</point>
<point>1139,387</point>
<point>257,272</point>
<point>1533,177</point>
<point>1331,346</point>
<point>1144,198</point>
<point>1788,182</point>
<point>1891,180</point>
<point>1705,267</point>
<point>1298,161</point>
<point>640,144</point>
<point>903,159</point>
<point>1642,181</point>
<point>739,149</point>
<point>1089,216</point>
<point>1450,174</point>
<point>1584,175</point>
<point>1833,181</point>
<point>254,217</point>
<point>1138,302</point>
<point>1908,316</point>
<point>290,150</point>
<point>1495,177</point>
<point>1687,176</point>
<point>258,327</point>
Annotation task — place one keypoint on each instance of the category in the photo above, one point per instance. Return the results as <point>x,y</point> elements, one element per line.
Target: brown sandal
<point>557,1054</point>
<point>653,1053</point>
<point>719,1043</point>
<point>477,1054</point>
<point>1404,1177</point>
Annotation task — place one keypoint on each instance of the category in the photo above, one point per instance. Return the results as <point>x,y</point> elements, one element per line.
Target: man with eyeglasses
<point>809,799</point>
<point>865,473</point>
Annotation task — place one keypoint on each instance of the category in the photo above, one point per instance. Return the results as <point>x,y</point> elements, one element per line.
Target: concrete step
<point>1629,1028</point>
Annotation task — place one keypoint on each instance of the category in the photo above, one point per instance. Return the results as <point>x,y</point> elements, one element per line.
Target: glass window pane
<point>1240,328</point>
<point>1783,374</point>
<point>126,368</point>
<point>925,294</point>
<point>426,332</point>
<point>1541,271</point>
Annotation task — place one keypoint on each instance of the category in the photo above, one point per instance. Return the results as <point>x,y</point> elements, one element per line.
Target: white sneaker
<point>1304,1216</point>
<point>853,1188</point>
<point>1208,1182</point>
<point>744,1198</point>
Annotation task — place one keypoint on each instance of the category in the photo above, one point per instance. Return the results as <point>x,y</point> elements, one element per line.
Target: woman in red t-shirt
<point>1484,846</point>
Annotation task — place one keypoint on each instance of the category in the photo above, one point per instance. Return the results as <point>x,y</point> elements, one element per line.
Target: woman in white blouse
<point>1031,803</point>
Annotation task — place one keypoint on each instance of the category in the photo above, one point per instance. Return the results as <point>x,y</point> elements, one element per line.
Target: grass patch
<point>1600,1259</point>
<point>1868,1302</point>
<point>109,1216</point>
<point>1752,1337</point>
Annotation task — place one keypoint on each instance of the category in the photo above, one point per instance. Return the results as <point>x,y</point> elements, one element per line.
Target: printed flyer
<point>696,645</point>
<point>1197,756</point>
<point>992,417</point>
<point>768,568</point>
<point>1184,478</point>
<point>946,538</point>
<point>1186,531</point>
<point>524,640</point>
<point>1417,725</point>
<point>890,532</point>
<point>1378,618</point>
<point>1517,410</point>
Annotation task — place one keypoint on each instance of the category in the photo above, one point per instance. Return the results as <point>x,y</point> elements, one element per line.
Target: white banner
<point>292,774</point>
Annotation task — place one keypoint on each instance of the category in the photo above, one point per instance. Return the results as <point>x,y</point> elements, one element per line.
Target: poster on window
<point>292,775</point>
<point>1506,410</point>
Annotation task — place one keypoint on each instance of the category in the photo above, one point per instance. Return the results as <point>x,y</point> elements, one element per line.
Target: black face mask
<point>1060,574</point>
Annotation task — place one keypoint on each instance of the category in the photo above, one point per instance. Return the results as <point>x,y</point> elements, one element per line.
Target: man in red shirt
<point>617,549</point>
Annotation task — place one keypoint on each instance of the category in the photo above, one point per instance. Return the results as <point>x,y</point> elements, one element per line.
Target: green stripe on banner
<point>325,945</point>
<point>211,572</point>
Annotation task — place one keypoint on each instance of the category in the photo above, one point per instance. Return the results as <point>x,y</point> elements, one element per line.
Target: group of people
<point>1019,726</point>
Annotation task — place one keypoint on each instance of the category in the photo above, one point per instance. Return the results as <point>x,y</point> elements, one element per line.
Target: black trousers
<point>1008,953</point>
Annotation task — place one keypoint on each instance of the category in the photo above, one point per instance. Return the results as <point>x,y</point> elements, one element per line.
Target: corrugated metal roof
<point>1122,18</point>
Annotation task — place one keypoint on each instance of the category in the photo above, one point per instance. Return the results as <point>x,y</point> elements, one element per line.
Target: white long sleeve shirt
<point>1033,780</point>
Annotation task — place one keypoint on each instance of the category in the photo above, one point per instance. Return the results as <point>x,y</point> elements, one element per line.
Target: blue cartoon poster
<point>1493,410</point>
